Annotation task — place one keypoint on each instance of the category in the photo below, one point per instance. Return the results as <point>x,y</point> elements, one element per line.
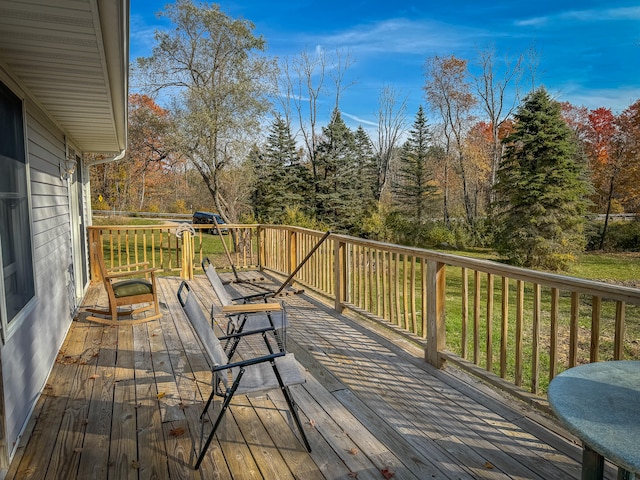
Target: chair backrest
<point>203,330</point>
<point>216,283</point>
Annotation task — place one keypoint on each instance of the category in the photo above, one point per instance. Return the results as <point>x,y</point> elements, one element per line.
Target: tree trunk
<point>606,217</point>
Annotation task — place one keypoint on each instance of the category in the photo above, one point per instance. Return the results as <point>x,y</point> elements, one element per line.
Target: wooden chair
<point>277,370</point>
<point>123,290</point>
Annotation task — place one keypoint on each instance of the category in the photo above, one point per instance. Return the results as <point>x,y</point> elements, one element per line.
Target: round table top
<point>600,404</point>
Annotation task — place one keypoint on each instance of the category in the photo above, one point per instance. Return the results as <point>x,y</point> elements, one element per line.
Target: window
<point>15,228</point>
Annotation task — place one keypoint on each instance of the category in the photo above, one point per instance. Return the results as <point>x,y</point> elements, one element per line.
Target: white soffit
<point>71,57</point>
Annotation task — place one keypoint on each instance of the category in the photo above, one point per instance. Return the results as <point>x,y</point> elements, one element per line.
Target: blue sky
<point>588,51</point>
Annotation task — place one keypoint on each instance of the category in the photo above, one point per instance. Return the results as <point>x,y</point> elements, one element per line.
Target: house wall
<point>33,341</point>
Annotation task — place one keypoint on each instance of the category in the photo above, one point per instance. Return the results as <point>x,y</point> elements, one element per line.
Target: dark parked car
<point>207,218</point>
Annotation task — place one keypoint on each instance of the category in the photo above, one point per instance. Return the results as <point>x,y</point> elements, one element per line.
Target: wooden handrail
<point>526,329</point>
<point>544,323</point>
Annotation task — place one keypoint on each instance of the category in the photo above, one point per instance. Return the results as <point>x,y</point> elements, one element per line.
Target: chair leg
<point>225,405</point>
<point>293,407</point>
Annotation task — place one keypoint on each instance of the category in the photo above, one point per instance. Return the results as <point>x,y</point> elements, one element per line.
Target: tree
<point>143,180</point>
<point>149,150</point>
<point>210,69</point>
<point>415,188</point>
<point>339,200</point>
<point>448,92</point>
<point>367,168</point>
<point>540,193</point>
<point>391,127</point>
<point>492,87</point>
<point>627,152</point>
<point>302,83</point>
<point>281,179</point>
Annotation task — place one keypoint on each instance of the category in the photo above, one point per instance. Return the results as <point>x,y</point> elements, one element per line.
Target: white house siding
<point>30,350</point>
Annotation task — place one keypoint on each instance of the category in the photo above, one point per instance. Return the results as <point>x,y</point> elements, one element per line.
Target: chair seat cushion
<point>129,288</point>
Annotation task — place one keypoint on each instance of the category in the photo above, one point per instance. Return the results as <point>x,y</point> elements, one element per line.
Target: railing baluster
<point>553,340</point>
<point>519,331</point>
<point>412,298</point>
<point>379,297</point>
<point>504,332</point>
<point>423,281</point>
<point>489,352</point>
<point>535,340</point>
<point>618,347</point>
<point>476,317</point>
<point>573,329</point>
<point>405,292</point>
<point>465,312</point>
<point>396,283</point>
<point>596,308</point>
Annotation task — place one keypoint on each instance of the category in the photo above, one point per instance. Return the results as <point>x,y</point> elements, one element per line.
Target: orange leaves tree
<point>448,92</point>
<point>144,179</point>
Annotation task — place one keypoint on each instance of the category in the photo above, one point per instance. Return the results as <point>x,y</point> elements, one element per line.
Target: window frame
<point>9,326</point>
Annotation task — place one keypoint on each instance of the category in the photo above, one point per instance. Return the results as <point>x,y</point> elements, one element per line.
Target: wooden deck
<point>123,403</point>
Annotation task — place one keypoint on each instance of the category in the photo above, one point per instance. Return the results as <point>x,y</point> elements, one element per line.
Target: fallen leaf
<point>161,395</point>
<point>135,464</point>
<point>176,432</point>
<point>353,451</point>
<point>488,465</point>
<point>94,376</point>
<point>312,423</point>
<point>387,473</point>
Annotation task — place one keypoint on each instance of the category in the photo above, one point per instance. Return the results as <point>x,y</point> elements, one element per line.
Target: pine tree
<point>367,177</point>
<point>540,194</point>
<point>414,188</point>
<point>281,179</point>
<point>339,200</point>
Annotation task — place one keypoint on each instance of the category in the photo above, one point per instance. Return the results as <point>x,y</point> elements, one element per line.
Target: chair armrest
<point>131,273</point>
<point>251,308</point>
<point>128,265</point>
<point>249,361</point>
<point>246,333</point>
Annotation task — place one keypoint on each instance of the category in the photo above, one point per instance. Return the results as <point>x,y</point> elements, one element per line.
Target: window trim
<point>8,328</point>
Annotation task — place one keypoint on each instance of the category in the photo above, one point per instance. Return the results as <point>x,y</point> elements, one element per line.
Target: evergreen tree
<point>367,177</point>
<point>281,179</point>
<point>339,200</point>
<point>414,188</point>
<point>540,193</point>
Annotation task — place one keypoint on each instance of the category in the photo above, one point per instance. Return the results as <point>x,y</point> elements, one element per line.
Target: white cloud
<point>593,15</point>
<point>400,35</point>
<point>359,120</point>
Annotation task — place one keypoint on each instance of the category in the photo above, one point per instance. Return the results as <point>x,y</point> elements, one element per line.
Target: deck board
<point>124,403</point>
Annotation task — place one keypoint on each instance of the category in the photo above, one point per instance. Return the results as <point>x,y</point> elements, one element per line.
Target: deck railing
<point>162,248</point>
<point>521,325</point>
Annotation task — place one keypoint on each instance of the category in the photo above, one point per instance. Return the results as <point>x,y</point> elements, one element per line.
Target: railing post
<point>436,321</point>
<point>186,273</point>
<point>261,245</point>
<point>293,248</point>
<point>94,240</point>
<point>340,274</point>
